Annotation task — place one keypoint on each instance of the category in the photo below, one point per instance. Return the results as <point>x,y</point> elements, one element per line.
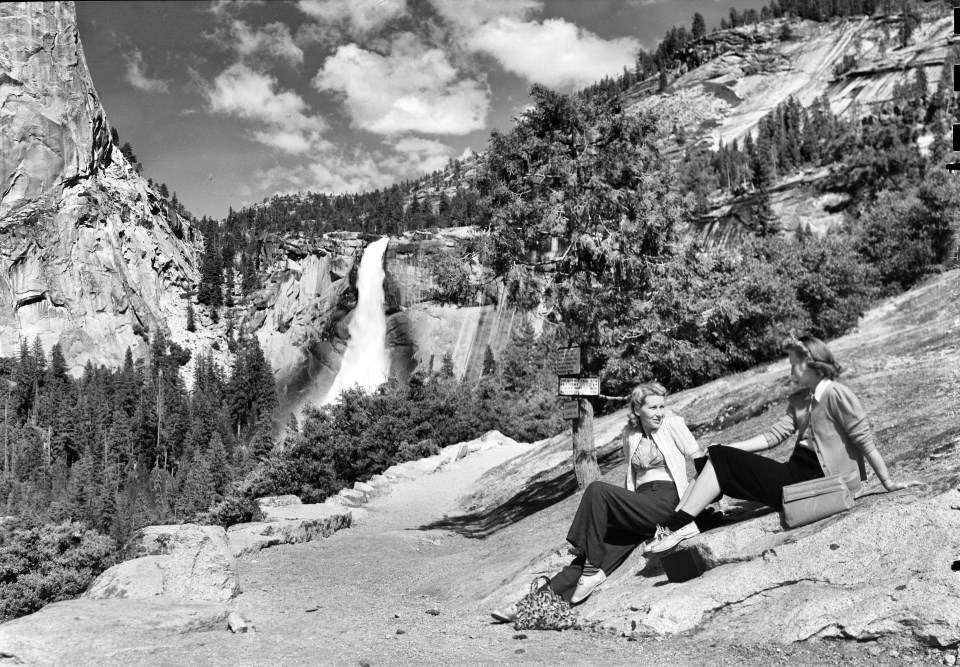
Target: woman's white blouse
<point>675,442</point>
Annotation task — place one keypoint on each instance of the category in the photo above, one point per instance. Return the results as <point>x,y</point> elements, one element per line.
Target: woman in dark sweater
<point>834,439</point>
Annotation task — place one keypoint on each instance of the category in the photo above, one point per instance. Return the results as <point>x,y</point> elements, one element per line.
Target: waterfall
<point>365,361</point>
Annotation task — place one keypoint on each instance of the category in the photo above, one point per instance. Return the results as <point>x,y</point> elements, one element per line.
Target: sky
<point>229,103</point>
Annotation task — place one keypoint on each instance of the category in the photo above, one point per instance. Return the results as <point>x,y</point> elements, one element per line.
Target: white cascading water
<point>365,361</point>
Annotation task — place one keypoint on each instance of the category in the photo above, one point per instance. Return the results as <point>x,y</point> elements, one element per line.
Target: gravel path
<point>367,596</point>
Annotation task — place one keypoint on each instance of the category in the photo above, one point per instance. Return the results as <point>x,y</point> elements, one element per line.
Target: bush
<point>232,510</point>
<point>908,234</point>
<point>43,563</point>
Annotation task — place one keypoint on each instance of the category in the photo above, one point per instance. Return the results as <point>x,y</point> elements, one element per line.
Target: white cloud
<point>357,171</point>
<point>272,40</point>
<point>354,17</point>
<point>414,88</point>
<point>555,52</point>
<point>471,14</point>
<point>284,118</point>
<point>416,155</point>
<point>138,77</point>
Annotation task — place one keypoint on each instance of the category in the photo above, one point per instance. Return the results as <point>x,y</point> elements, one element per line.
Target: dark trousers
<point>609,524</point>
<point>750,476</point>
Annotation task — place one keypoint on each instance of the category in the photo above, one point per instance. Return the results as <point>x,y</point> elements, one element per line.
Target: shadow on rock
<point>544,490</point>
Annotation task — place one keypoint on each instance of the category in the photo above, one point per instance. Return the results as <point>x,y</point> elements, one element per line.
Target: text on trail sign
<point>568,361</point>
<point>579,387</point>
<point>571,409</point>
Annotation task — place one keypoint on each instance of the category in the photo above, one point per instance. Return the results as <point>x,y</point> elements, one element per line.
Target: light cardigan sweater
<point>837,431</point>
<point>675,443</point>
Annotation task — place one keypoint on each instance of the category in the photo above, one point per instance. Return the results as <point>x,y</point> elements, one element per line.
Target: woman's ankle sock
<point>590,570</point>
<point>678,520</point>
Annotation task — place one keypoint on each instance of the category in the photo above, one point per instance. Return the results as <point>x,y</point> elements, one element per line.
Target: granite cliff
<point>90,256</point>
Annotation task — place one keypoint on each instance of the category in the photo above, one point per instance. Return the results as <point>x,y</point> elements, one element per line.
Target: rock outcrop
<point>753,69</point>
<point>186,562</point>
<point>419,330</point>
<point>90,256</point>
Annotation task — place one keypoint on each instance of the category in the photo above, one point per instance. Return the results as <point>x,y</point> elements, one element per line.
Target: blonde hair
<point>639,395</point>
<point>817,355</point>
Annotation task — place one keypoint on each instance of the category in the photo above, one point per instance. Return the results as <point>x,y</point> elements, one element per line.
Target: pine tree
<point>220,469</point>
<point>921,84</point>
<point>766,220</point>
<point>489,363</point>
<point>127,151</point>
<point>252,391</point>
<point>699,26</point>
<point>191,322</point>
<point>447,368</point>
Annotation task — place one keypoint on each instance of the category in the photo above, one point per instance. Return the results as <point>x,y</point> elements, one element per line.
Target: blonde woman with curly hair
<point>612,520</point>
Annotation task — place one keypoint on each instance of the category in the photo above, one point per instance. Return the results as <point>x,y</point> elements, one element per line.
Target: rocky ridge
<point>754,70</point>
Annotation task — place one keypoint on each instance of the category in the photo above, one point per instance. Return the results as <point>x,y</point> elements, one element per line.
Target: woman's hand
<point>890,485</point>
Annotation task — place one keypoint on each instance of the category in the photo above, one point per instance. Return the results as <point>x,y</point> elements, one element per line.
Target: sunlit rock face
<point>300,315</point>
<point>90,256</point>
<point>421,331</point>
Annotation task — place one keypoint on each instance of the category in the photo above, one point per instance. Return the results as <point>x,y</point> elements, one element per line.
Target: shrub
<point>43,563</point>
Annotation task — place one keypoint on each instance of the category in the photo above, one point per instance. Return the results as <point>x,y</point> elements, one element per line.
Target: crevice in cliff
<point>31,299</point>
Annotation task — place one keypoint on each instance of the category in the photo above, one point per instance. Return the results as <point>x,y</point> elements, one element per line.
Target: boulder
<point>369,490</point>
<point>68,633</point>
<point>351,495</point>
<point>182,562</point>
<point>137,578</point>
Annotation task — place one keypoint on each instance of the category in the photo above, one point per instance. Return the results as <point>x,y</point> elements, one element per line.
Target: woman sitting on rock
<point>834,440</point>
<point>612,520</point>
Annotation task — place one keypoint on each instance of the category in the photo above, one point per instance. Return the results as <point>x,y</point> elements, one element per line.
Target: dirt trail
<point>364,595</point>
<point>368,583</point>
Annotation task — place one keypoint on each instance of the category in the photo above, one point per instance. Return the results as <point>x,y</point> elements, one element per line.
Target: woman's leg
<point>703,491</point>
<point>743,475</point>
<point>609,524</point>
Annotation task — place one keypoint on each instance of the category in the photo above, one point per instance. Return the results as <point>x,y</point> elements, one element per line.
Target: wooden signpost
<point>570,382</point>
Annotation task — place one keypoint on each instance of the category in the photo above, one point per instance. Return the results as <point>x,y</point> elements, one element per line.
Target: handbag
<point>542,609</point>
<point>815,499</point>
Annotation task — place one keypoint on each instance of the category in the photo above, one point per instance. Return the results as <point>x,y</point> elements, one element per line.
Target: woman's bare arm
<point>876,462</point>
<point>755,444</point>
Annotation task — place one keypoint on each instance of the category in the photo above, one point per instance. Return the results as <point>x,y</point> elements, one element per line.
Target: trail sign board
<point>571,409</point>
<point>568,362</point>
<point>578,387</point>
